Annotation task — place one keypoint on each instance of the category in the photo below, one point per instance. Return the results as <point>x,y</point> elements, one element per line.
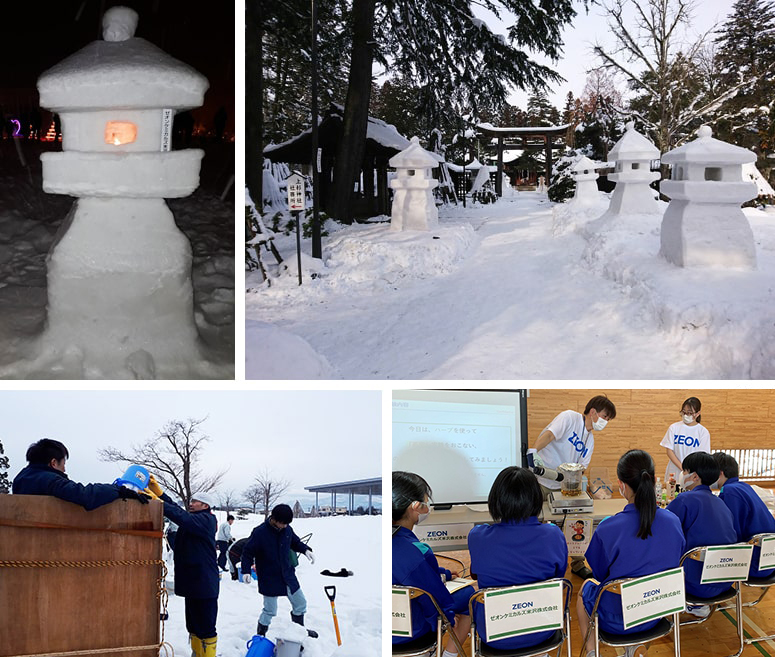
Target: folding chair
<point>761,582</point>
<point>662,628</point>
<point>733,593</point>
<point>520,625</point>
<point>428,643</point>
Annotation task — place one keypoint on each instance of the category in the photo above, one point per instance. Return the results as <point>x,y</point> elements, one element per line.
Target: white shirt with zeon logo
<point>684,440</point>
<point>572,444</point>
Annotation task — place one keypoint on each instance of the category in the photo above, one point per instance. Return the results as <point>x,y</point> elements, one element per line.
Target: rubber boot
<point>261,629</point>
<point>197,649</point>
<point>209,646</point>
<point>299,620</point>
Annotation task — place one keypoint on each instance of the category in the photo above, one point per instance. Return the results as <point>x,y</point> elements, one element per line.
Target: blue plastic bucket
<point>260,646</point>
<point>136,477</point>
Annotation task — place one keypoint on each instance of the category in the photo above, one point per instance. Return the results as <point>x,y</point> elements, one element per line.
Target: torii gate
<point>553,138</point>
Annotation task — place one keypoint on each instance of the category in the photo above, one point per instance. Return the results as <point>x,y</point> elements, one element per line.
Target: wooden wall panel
<point>736,419</point>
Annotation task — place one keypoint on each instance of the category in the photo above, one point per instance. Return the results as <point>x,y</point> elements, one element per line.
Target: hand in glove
<point>154,488</point>
<point>247,579</point>
<point>310,556</point>
<point>128,494</point>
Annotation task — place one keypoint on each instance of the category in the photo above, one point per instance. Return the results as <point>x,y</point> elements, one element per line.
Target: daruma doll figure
<point>120,296</point>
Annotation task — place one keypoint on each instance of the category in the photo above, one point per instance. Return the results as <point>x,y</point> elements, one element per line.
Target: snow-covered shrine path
<point>523,305</point>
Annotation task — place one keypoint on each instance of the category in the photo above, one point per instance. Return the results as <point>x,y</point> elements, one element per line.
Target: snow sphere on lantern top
<point>115,97</point>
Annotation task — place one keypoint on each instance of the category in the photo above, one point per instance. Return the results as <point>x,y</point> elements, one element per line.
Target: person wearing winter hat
<point>196,567</point>
<point>270,545</point>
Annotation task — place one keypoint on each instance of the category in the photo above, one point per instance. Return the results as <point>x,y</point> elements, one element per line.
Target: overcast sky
<point>580,36</point>
<point>308,438</point>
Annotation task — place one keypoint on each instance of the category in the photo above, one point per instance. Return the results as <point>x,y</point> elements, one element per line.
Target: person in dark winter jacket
<point>235,556</point>
<point>270,544</point>
<point>45,475</point>
<point>196,567</point>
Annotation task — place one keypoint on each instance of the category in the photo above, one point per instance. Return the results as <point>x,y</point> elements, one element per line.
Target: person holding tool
<point>196,567</point>
<point>685,437</point>
<point>568,438</point>
<point>45,475</point>
<point>270,544</point>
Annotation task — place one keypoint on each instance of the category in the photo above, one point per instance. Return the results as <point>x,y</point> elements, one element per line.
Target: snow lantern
<point>586,186</point>
<point>413,205</point>
<point>704,224</point>
<point>119,273</point>
<point>633,154</point>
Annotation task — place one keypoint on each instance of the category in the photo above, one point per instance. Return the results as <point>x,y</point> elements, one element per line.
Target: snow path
<point>523,304</point>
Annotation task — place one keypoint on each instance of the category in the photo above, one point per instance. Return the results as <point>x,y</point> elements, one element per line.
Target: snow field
<point>352,542</point>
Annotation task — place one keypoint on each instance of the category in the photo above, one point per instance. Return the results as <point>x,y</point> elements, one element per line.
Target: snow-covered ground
<point>517,289</point>
<point>338,542</point>
<point>29,219</point>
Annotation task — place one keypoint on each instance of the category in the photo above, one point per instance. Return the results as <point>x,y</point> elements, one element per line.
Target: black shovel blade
<point>330,592</point>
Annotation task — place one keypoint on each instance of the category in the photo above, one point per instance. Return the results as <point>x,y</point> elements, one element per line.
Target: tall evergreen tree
<point>540,112</point>
<point>5,485</point>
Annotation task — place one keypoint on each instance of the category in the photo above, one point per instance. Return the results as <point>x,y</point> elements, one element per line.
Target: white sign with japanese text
<point>726,563</point>
<point>296,198</point>
<point>166,129</point>
<point>578,532</point>
<point>653,596</point>
<point>767,556</point>
<point>402,613</point>
<point>523,610</point>
<point>438,537</point>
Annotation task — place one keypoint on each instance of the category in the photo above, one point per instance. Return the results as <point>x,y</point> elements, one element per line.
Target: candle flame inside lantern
<point>120,132</point>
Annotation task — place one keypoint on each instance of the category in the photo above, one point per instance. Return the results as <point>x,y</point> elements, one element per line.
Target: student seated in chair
<point>705,520</point>
<point>640,540</point>
<point>750,514</point>
<point>414,563</point>
<point>518,548</point>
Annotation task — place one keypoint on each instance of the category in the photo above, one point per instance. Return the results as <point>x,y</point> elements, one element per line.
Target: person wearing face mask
<point>749,513</point>
<point>685,437</point>
<point>638,541</point>
<point>270,544</point>
<point>568,438</point>
<point>705,520</point>
<point>514,503</point>
<point>414,564</point>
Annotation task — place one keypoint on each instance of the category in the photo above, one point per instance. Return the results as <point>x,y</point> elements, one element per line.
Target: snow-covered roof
<point>122,71</point>
<point>489,127</point>
<point>633,146</point>
<point>707,150</point>
<point>414,157</point>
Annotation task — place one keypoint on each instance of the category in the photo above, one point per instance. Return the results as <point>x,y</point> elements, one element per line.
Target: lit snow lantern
<point>413,205</point>
<point>585,176</point>
<point>633,154</point>
<point>119,273</point>
<point>704,224</point>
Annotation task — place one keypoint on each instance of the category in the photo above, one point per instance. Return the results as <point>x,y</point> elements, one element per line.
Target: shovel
<point>331,593</point>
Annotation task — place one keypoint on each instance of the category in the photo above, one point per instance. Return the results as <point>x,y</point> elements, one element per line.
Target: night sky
<point>35,35</point>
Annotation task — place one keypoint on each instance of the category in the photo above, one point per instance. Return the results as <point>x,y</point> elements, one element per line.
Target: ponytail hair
<point>636,469</point>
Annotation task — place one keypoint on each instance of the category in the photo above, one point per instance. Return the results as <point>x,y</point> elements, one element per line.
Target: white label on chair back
<point>402,613</point>
<point>767,556</point>
<point>726,563</point>
<point>653,596</point>
<point>523,609</point>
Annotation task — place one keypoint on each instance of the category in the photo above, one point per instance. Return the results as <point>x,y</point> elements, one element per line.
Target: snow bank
<point>350,542</point>
<point>278,354</point>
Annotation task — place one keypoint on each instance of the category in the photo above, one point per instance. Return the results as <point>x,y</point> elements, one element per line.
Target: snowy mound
<point>377,253</point>
<point>277,354</point>
<point>572,215</point>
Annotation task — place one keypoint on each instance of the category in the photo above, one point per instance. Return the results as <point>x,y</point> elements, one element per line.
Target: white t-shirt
<point>684,440</point>
<point>572,444</point>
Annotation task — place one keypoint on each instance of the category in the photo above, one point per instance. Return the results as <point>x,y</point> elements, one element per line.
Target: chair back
<point>766,544</point>
<point>722,563</point>
<point>521,610</point>
<point>649,597</point>
<point>401,600</point>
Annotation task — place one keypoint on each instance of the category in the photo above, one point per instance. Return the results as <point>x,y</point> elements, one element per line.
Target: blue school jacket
<point>615,551</point>
<point>39,479</point>
<point>512,553</point>
<point>414,564</point>
<point>706,520</point>
<point>196,566</point>
<point>750,516</point>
